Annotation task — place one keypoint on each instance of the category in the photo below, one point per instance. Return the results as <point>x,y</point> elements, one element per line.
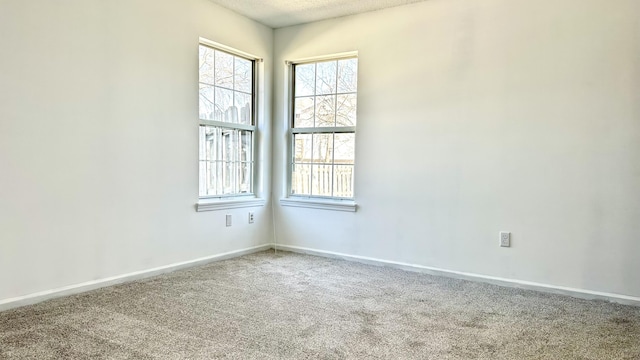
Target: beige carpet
<point>290,306</point>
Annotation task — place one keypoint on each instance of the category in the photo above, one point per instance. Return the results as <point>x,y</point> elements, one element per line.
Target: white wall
<point>481,116</point>
<point>474,117</point>
<point>98,139</point>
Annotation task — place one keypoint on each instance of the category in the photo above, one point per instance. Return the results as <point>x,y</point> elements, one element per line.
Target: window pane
<point>210,173</point>
<point>346,114</point>
<point>203,176</point>
<point>224,106</point>
<point>301,179</point>
<point>344,152</point>
<point>243,107</point>
<point>302,148</point>
<point>217,174</point>
<point>212,143</point>
<point>242,78</point>
<point>347,75</point>
<point>322,178</point>
<point>224,69</point>
<point>229,175</point>
<point>323,148</point>
<point>343,181</point>
<point>206,68</point>
<point>325,111</point>
<point>230,145</point>
<point>305,80</point>
<point>326,77</point>
<point>207,108</point>
<point>246,138</point>
<point>202,144</point>
<point>303,112</point>
<point>245,177</point>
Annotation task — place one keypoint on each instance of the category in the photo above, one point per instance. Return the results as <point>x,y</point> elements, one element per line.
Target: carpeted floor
<point>291,306</point>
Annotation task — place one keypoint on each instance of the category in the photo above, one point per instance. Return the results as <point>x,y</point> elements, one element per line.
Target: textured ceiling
<point>280,13</point>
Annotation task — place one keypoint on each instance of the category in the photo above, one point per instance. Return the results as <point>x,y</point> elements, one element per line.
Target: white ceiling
<point>280,13</point>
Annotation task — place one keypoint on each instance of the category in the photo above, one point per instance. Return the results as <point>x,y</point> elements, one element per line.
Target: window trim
<point>311,201</point>
<point>210,204</point>
<point>230,50</point>
<point>336,204</point>
<point>315,59</point>
<point>239,200</point>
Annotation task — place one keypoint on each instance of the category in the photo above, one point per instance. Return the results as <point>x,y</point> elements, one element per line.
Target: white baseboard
<point>19,301</point>
<point>15,302</point>
<point>578,293</point>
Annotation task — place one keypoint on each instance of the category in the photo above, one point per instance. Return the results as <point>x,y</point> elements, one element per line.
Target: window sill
<point>323,204</point>
<point>232,203</point>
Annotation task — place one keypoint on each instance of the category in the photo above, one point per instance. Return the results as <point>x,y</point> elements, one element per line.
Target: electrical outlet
<point>505,239</point>
<point>228,219</point>
<point>250,217</point>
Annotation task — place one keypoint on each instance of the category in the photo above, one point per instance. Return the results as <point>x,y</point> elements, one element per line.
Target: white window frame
<point>239,200</point>
<point>312,201</point>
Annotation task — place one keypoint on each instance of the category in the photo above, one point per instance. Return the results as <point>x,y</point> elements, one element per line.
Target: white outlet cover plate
<point>505,239</point>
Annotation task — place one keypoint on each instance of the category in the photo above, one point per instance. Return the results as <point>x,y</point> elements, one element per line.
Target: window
<point>227,123</point>
<point>323,127</point>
